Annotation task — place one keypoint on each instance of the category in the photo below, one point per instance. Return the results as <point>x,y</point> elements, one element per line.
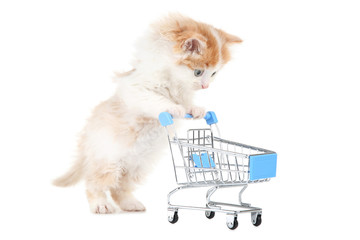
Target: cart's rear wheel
<point>210,214</point>
<point>257,221</point>
<point>173,218</point>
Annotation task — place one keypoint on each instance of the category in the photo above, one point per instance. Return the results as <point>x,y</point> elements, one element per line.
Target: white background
<point>292,87</point>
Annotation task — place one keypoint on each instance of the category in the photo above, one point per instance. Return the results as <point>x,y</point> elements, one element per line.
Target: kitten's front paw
<point>197,112</point>
<point>177,111</point>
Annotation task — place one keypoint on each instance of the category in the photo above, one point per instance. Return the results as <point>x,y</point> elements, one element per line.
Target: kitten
<point>117,147</point>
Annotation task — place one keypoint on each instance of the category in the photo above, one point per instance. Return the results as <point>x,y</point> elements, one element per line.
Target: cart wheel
<point>173,218</point>
<point>232,224</point>
<point>210,214</point>
<point>256,222</point>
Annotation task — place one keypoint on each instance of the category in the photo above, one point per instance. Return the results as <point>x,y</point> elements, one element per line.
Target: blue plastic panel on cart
<point>210,118</point>
<point>205,158</point>
<point>165,119</point>
<point>262,166</point>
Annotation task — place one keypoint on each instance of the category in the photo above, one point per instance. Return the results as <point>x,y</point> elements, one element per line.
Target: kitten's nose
<point>204,86</point>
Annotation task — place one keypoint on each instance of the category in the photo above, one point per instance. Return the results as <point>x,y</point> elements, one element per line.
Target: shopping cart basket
<point>205,160</point>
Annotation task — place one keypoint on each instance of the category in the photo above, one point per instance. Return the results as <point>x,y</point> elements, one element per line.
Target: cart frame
<point>209,161</point>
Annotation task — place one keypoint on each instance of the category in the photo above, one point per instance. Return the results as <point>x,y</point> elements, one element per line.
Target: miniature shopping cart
<point>205,160</point>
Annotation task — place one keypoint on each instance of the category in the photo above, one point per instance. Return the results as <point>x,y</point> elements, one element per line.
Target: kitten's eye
<point>213,74</point>
<point>198,72</point>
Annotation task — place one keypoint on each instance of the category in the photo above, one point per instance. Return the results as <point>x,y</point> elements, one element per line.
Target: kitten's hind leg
<point>98,202</point>
<point>98,181</point>
<point>126,201</point>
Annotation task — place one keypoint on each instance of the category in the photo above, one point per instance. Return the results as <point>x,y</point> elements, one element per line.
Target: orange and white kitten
<point>117,147</point>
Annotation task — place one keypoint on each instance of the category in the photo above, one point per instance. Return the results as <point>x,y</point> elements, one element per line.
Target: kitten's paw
<point>102,208</point>
<point>197,112</point>
<point>177,111</point>
<point>131,205</point>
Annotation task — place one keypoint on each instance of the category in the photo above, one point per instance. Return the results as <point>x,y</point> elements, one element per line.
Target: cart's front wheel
<point>210,214</point>
<point>173,217</point>
<point>231,222</point>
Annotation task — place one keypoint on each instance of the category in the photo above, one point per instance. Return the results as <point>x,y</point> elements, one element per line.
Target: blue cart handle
<point>166,119</point>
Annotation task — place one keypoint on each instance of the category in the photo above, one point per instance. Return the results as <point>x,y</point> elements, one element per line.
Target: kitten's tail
<point>73,176</point>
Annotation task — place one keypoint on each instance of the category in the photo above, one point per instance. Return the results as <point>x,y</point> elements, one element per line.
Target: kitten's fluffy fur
<point>117,146</point>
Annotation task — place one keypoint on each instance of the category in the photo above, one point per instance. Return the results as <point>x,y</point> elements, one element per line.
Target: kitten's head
<point>200,50</point>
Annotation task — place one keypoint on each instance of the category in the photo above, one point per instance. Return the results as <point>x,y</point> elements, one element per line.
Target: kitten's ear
<point>233,39</point>
<point>193,46</point>
<point>229,38</point>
